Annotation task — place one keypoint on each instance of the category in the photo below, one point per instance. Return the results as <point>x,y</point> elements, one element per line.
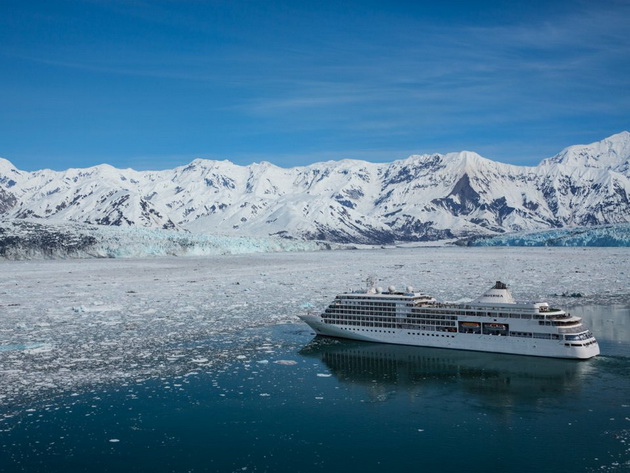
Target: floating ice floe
<point>70,325</point>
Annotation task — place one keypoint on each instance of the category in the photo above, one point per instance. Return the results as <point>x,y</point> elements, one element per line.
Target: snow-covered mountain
<point>424,197</point>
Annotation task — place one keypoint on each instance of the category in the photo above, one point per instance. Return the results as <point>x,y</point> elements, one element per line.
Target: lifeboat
<point>496,326</point>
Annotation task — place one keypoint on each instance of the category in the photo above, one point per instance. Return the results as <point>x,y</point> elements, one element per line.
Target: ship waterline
<point>495,322</point>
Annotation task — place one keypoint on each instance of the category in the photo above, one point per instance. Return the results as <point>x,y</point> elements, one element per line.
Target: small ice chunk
<point>286,362</point>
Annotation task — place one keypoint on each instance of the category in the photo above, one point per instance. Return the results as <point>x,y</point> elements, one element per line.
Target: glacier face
<point>28,239</point>
<point>421,198</point>
<point>602,236</point>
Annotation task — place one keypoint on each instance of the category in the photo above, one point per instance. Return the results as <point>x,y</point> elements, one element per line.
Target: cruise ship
<point>494,322</point>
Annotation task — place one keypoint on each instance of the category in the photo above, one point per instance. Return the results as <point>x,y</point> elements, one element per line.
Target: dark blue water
<point>285,402</point>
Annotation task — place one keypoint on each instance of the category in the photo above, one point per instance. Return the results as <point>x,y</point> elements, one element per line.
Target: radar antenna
<point>370,282</point>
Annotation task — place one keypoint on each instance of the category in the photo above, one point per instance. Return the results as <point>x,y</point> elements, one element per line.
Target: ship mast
<point>370,283</point>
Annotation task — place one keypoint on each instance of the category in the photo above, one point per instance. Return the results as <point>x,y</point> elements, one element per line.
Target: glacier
<point>28,239</point>
<point>33,239</point>
<point>604,236</point>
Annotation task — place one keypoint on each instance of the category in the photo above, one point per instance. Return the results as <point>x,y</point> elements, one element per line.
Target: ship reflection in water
<point>496,379</point>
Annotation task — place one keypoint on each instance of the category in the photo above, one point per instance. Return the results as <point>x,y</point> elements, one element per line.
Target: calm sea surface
<point>285,402</point>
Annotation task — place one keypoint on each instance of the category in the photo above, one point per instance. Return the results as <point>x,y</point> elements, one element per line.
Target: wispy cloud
<point>485,74</point>
<point>277,77</point>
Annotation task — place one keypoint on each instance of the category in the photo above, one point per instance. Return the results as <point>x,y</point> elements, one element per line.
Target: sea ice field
<point>95,336</point>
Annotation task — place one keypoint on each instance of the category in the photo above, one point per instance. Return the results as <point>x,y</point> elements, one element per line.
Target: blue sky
<point>155,84</point>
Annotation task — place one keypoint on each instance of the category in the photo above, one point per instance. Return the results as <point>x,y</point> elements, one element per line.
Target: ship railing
<point>476,307</point>
<point>571,329</point>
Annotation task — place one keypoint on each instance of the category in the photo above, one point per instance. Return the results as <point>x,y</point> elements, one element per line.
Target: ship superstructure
<point>494,322</point>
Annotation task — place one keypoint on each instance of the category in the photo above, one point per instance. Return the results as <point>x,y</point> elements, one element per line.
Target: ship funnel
<point>497,294</point>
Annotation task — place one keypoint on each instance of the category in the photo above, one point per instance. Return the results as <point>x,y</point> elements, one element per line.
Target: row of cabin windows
<point>581,336</point>
<point>419,316</point>
<point>373,304</point>
<point>377,315</point>
<point>540,313</point>
<point>416,323</point>
<point>418,312</point>
<point>543,336</point>
<point>380,307</point>
<point>363,312</point>
<point>505,315</point>
<point>361,323</point>
<point>580,344</point>
<point>337,310</point>
<point>352,316</point>
<point>448,328</point>
<point>441,323</point>
<point>472,313</point>
<point>560,324</point>
<point>421,306</point>
<point>409,320</point>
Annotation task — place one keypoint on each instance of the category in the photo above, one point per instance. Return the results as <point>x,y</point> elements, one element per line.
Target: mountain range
<point>421,198</point>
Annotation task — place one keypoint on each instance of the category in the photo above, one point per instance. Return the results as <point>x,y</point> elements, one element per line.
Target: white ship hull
<point>456,341</point>
<point>495,322</point>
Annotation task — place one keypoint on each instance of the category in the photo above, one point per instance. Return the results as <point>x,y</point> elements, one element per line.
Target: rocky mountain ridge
<point>421,198</point>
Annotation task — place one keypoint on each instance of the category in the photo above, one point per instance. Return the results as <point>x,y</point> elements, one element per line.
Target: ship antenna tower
<point>370,282</point>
